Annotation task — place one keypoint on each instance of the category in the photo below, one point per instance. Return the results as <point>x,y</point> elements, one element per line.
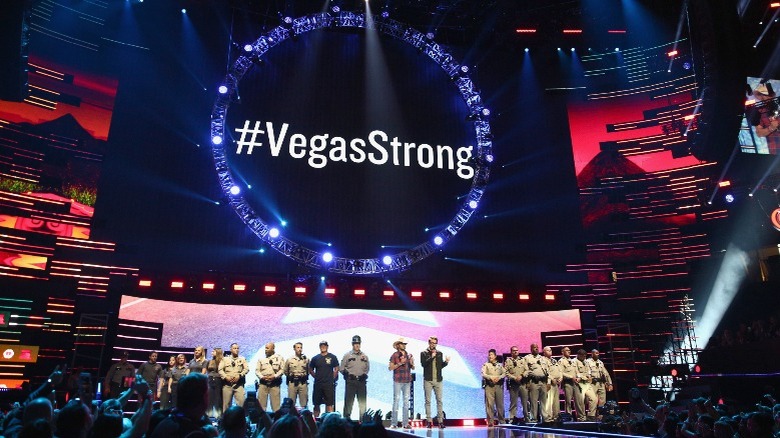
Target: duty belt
<point>274,382</point>
<point>300,380</point>
<point>535,379</point>
<point>362,378</point>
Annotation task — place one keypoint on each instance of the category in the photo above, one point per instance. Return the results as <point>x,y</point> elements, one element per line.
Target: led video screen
<point>463,336</point>
<point>758,131</point>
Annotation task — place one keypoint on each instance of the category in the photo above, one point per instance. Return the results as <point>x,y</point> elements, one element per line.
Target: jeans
<point>401,390</point>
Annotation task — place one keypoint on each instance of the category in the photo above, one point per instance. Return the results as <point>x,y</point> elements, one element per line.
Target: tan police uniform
<point>269,371</point>
<point>494,391</point>
<point>296,369</point>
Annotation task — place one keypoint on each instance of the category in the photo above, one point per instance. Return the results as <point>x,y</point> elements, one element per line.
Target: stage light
<point>183,11</point>
<point>523,297</point>
<point>222,89</point>
<point>271,289</point>
<point>145,283</point>
<point>387,260</point>
<point>208,286</point>
<point>273,233</point>
<point>261,250</point>
<point>559,49</point>
<point>385,14</point>
<point>724,183</point>
<point>729,198</point>
<point>572,49</point>
<point>359,292</point>
<point>438,240</point>
<point>283,223</point>
<point>498,296</point>
<point>335,9</point>
<point>238,287</point>
<point>471,295</point>
<point>429,35</point>
<point>468,422</point>
<point>473,204</point>
<point>617,49</point>
<point>774,5</point>
<point>464,68</point>
<point>485,111</point>
<point>327,257</point>
<point>572,30</point>
<point>549,297</point>
<point>526,50</point>
<point>727,282</point>
<point>330,291</point>
<point>388,293</point>
<point>687,65</point>
<point>672,54</point>
<point>416,294</point>
<point>287,20</point>
<point>216,139</point>
<point>525,30</point>
<point>444,295</point>
<point>489,158</point>
<point>697,369</point>
<point>177,285</point>
<point>247,47</point>
<point>673,372</point>
<point>235,190</point>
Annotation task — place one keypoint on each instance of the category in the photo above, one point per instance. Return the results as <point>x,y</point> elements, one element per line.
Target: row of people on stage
<point>535,380</point>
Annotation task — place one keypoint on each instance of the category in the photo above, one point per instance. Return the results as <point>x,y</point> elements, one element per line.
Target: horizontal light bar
<point>208,286</point>
<point>471,295</point>
<point>238,287</point>
<point>388,293</point>
<point>498,295</point>
<point>360,292</point>
<point>572,30</point>
<point>444,294</point>
<point>416,294</point>
<point>145,283</point>
<point>524,297</point>
<point>525,30</point>
<point>330,291</point>
<point>672,53</point>
<point>271,289</point>
<point>549,297</point>
<point>177,284</point>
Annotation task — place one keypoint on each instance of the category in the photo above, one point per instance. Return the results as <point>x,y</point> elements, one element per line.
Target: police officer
<point>269,370</point>
<point>538,370</point>
<point>552,408</point>
<point>233,370</point>
<point>493,382</point>
<point>571,390</point>
<point>601,382</point>
<point>516,369</point>
<point>583,382</point>
<point>354,366</point>
<point>297,371</point>
<point>119,377</point>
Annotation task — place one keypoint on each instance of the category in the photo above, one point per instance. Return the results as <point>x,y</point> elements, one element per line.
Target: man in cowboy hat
<point>766,117</point>
<point>401,364</point>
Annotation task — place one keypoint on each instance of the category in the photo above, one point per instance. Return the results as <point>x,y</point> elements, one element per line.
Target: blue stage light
<point>489,158</point>
<point>485,112</point>
<point>327,257</point>
<point>216,139</point>
<point>387,260</point>
<point>235,190</point>
<point>438,240</point>
<point>222,89</point>
<point>273,233</point>
<point>473,204</point>
<point>247,47</point>
<point>729,198</point>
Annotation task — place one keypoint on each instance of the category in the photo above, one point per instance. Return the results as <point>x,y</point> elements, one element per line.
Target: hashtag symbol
<point>252,140</point>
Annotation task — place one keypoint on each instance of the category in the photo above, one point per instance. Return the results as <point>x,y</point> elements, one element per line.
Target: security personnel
<point>233,370</point>
<point>493,383</point>
<point>552,408</point>
<point>354,366</point>
<point>516,369</point>
<point>538,370</point>
<point>571,390</point>
<point>583,382</point>
<point>269,370</point>
<point>601,382</point>
<point>119,377</point>
<point>297,371</point>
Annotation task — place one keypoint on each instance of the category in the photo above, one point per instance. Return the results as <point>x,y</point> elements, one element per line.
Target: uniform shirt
<point>119,371</point>
<point>598,371</point>
<point>355,363</point>
<point>322,367</point>
<point>583,371</point>
<point>197,367</point>
<point>178,372</point>
<point>537,366</point>
<point>272,366</point>
<point>231,366</point>
<point>556,375</point>
<point>151,372</point>
<point>297,366</point>
<point>515,367</point>
<point>402,374</point>
<point>492,369</point>
<point>568,367</point>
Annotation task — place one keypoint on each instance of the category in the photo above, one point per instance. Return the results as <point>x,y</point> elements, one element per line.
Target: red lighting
<point>697,368</point>
<point>468,422</point>
<point>549,297</point>
<point>388,293</point>
<point>239,287</point>
<point>524,297</point>
<point>498,295</point>
<point>330,291</point>
<point>416,294</point>
<point>525,30</point>
<point>471,295</point>
<point>177,284</point>
<point>674,372</point>
<point>572,30</point>
<point>444,294</point>
<point>360,292</point>
<point>724,183</point>
<point>208,286</point>
<point>271,289</point>
<point>774,5</point>
<point>672,54</point>
<point>145,283</point>
<point>690,117</point>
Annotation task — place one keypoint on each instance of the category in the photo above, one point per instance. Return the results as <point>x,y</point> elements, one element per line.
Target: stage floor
<point>495,432</point>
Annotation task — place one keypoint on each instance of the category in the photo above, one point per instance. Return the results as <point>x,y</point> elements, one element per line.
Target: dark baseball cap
<point>323,342</point>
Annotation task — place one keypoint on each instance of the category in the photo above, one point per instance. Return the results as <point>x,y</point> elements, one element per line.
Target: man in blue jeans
<point>401,364</point>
